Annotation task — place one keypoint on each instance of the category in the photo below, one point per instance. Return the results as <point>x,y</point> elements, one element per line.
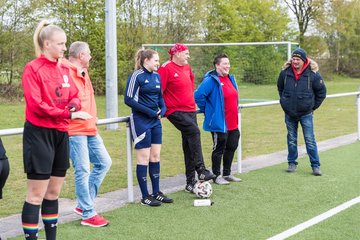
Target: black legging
<point>186,123</point>
<point>4,167</point>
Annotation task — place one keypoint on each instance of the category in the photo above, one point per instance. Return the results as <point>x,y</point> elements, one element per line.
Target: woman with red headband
<point>178,87</point>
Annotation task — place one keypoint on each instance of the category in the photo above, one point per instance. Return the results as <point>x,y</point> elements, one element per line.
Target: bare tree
<point>305,11</point>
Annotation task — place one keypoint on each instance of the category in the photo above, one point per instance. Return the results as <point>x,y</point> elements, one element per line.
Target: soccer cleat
<point>206,175</point>
<point>190,187</point>
<point>220,180</point>
<point>78,211</point>
<point>95,221</point>
<point>162,198</point>
<point>232,178</point>
<point>291,168</point>
<point>316,171</point>
<point>150,201</point>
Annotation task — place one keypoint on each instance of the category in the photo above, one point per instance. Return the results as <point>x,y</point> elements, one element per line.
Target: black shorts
<point>45,152</point>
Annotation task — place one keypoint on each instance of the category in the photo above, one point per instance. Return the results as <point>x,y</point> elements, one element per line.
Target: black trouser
<point>225,145</point>
<point>4,168</point>
<point>186,123</point>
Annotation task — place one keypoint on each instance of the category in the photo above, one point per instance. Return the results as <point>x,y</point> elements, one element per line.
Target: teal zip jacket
<point>209,98</point>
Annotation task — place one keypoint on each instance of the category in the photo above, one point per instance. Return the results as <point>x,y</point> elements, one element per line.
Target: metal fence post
<point>129,164</point>
<point>111,73</point>
<point>239,150</point>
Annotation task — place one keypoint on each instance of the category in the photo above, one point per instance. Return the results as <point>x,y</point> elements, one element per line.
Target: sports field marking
<point>315,220</point>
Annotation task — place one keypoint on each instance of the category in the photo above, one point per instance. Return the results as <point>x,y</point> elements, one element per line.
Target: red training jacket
<point>49,93</point>
<point>178,87</point>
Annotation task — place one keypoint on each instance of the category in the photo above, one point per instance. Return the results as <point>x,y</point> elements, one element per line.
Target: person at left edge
<point>51,100</point>
<point>4,168</point>
<point>86,145</point>
<point>143,94</point>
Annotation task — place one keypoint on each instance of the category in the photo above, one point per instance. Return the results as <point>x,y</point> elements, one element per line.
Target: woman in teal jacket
<point>217,98</point>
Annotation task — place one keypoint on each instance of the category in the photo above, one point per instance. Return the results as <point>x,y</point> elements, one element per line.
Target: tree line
<point>328,29</point>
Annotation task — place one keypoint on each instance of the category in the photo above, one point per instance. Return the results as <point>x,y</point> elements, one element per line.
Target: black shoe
<point>162,198</point>
<point>190,187</point>
<point>206,175</point>
<point>291,168</point>
<point>316,171</point>
<point>150,201</point>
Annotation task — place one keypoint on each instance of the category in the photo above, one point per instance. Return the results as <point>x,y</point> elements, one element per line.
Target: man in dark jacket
<point>4,167</point>
<point>301,92</point>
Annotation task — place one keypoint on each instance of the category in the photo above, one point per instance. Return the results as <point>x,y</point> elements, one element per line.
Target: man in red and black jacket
<point>178,87</point>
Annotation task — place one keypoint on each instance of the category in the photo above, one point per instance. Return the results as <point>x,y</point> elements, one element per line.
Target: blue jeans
<point>83,151</point>
<point>307,125</point>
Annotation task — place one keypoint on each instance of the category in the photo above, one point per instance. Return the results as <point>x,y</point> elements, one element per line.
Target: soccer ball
<point>203,189</point>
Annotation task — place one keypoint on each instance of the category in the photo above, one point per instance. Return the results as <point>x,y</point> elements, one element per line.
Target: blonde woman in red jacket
<point>51,101</point>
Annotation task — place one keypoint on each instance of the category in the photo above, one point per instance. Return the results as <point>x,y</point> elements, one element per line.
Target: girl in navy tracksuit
<point>143,94</point>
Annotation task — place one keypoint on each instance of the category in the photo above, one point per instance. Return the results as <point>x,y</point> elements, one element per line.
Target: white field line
<point>315,220</point>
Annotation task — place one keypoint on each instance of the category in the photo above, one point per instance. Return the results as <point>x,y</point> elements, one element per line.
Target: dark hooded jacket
<point>302,96</point>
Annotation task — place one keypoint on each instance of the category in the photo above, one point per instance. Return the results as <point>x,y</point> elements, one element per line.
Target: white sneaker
<point>220,180</point>
<point>231,178</point>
